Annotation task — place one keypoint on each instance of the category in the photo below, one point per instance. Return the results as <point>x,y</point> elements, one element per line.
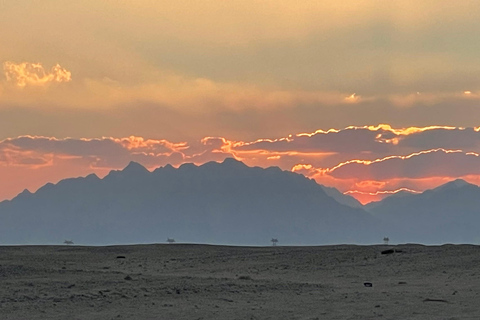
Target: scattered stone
<point>128,278</point>
<point>435,300</point>
<point>120,257</point>
<point>368,284</point>
<point>390,251</point>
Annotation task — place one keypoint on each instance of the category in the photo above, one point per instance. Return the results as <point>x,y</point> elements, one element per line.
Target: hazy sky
<point>82,77</point>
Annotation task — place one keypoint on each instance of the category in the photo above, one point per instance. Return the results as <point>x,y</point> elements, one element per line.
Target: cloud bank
<point>368,162</point>
<point>247,68</point>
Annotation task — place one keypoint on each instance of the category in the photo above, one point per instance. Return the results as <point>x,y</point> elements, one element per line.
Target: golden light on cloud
<point>352,98</point>
<point>134,143</point>
<point>300,167</point>
<point>406,131</point>
<point>365,197</point>
<point>382,192</point>
<point>381,127</point>
<point>370,162</point>
<point>27,73</point>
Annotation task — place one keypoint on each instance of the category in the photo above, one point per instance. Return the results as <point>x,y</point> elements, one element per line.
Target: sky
<point>371,97</point>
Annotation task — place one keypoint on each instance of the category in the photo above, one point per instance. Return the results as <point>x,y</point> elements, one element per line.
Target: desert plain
<point>188,281</point>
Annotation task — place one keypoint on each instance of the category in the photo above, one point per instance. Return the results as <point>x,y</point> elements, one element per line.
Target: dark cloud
<point>465,139</point>
<point>104,152</point>
<point>76,147</point>
<point>350,140</point>
<point>438,163</point>
<point>372,142</point>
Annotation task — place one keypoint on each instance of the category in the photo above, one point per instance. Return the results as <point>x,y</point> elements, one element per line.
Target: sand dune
<point>217,282</point>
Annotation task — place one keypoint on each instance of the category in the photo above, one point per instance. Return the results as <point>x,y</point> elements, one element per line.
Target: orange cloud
<point>12,156</point>
<point>34,74</point>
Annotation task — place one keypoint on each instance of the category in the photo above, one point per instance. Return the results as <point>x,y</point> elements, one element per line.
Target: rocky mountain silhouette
<point>449,213</point>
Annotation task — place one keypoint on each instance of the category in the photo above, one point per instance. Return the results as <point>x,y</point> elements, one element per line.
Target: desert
<point>195,281</point>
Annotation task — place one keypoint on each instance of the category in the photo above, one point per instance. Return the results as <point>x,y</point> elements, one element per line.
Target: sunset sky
<point>370,97</point>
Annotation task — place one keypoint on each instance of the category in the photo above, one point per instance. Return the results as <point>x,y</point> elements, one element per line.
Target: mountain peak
<point>134,167</point>
<point>229,164</point>
<point>25,192</point>
<point>232,162</point>
<point>454,184</point>
<point>459,183</point>
<point>92,176</point>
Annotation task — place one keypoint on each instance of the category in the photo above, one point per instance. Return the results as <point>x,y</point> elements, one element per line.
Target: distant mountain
<point>452,185</point>
<point>447,214</point>
<point>401,194</point>
<point>225,203</point>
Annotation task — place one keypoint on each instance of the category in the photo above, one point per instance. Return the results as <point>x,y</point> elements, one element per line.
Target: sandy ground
<point>217,282</point>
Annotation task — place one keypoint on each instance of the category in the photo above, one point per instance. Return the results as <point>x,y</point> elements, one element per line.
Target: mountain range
<point>225,203</point>
<point>231,203</point>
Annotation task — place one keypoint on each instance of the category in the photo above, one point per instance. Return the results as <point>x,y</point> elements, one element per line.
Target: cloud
<point>437,162</point>
<point>247,54</point>
<point>34,74</point>
<point>108,153</point>
<point>323,148</point>
<point>350,140</point>
<point>369,142</point>
<point>184,93</point>
<point>12,156</point>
